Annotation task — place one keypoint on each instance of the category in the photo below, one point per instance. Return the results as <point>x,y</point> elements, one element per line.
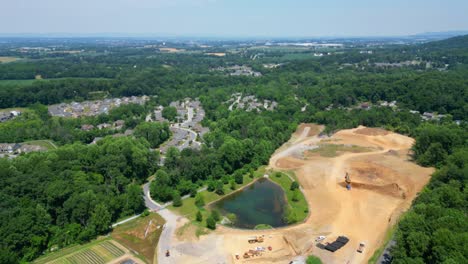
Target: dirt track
<point>384,182</point>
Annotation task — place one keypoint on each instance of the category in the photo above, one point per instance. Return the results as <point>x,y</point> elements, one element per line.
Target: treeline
<point>69,195</point>
<point>435,230</point>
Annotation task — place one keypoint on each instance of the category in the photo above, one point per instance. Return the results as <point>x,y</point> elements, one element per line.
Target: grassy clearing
<point>333,150</point>
<point>98,251</point>
<point>132,235</point>
<point>42,143</point>
<point>298,210</point>
<point>263,227</point>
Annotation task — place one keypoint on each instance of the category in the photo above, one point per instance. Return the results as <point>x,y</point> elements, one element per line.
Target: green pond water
<point>262,202</point>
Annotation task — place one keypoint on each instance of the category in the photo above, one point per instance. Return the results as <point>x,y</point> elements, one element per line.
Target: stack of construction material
<point>339,243</point>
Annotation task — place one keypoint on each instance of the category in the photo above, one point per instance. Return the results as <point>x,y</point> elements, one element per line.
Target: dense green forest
<point>69,195</point>
<point>53,199</point>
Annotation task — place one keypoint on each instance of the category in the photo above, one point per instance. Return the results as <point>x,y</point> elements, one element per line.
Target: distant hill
<point>460,42</point>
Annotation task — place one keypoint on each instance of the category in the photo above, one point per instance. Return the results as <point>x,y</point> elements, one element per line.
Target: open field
<point>43,143</point>
<point>384,184</point>
<point>96,252</point>
<point>8,59</point>
<point>141,235</point>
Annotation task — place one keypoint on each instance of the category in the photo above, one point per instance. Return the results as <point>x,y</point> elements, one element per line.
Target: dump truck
<point>255,239</point>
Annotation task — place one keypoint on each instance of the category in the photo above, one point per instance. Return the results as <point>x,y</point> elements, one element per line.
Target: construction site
<point>355,193</point>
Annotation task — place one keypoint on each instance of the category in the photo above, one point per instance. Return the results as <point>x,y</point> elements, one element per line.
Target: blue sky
<point>234,18</point>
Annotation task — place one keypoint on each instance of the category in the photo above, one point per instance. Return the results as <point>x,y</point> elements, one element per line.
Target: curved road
<point>165,240</point>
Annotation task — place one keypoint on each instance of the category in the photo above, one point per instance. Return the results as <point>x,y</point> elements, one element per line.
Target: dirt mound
<point>288,163</point>
<point>392,189</point>
<point>313,130</point>
<point>369,131</point>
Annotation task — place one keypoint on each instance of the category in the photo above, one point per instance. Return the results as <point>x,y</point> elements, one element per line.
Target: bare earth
<point>384,183</point>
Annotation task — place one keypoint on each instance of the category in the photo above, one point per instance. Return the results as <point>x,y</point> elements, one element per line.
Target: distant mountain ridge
<point>459,42</point>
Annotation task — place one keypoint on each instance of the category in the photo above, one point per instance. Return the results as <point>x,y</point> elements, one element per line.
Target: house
<point>87,127</point>
<point>103,126</point>
<point>119,124</point>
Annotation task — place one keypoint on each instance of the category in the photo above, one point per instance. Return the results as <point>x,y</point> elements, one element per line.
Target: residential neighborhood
<point>239,70</point>
<point>250,103</point>
<point>187,129</point>
<point>93,108</point>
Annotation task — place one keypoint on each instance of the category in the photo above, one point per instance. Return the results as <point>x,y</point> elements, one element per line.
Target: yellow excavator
<point>348,181</point>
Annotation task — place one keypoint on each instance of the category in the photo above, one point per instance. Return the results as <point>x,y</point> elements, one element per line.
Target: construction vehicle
<point>361,247</point>
<point>255,239</point>
<point>348,181</point>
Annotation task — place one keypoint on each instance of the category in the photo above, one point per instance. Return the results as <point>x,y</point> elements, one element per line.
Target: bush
<point>219,188</point>
<point>193,191</point>
<point>313,260</point>
<point>295,196</point>
<point>199,216</point>
<point>294,186</point>
<point>177,200</point>
<point>232,218</point>
<point>211,185</point>
<point>145,213</point>
<point>216,215</point>
<point>199,200</point>
<point>278,174</point>
<point>238,177</point>
<point>232,185</point>
<point>211,223</point>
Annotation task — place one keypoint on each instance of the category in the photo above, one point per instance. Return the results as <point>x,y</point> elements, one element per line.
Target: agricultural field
<point>8,59</point>
<point>141,235</point>
<point>97,252</point>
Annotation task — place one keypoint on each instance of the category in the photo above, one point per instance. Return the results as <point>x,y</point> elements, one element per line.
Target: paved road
<point>165,241</point>
<point>386,258</point>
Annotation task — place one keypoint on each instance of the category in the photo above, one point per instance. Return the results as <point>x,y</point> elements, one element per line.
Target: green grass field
<point>96,252</point>
<point>333,150</point>
<point>43,143</point>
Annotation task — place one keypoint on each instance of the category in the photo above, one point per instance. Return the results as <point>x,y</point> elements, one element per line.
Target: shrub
<point>199,216</point>
<point>199,200</point>
<point>216,215</point>
<point>177,200</point>
<point>232,218</point>
<point>193,191</point>
<point>219,188</point>
<point>211,223</point>
<point>232,185</point>
<point>295,196</point>
<point>294,186</point>
<point>238,177</point>
<point>313,260</point>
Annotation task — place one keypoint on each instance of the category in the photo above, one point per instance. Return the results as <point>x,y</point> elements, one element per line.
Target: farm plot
<point>94,253</point>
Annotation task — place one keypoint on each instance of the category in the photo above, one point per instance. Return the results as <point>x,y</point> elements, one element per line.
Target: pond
<point>262,202</point>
